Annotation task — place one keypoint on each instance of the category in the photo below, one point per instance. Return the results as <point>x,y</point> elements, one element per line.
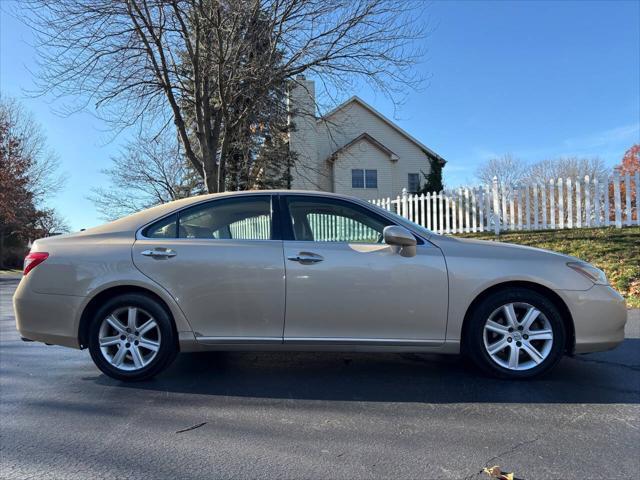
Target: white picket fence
<point>554,204</point>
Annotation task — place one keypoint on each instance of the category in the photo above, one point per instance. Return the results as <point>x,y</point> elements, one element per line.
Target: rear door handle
<point>159,253</point>
<point>306,258</point>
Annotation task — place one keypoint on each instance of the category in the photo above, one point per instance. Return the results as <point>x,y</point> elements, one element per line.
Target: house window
<point>371,178</point>
<point>364,178</point>
<point>357,178</point>
<point>414,183</point>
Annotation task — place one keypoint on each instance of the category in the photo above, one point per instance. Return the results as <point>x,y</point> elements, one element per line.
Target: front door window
<point>329,220</point>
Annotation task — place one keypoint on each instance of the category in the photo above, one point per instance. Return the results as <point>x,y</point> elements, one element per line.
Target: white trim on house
<point>364,137</point>
<point>356,99</point>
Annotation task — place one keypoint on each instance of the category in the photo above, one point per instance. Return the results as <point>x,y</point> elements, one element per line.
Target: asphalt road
<point>302,415</point>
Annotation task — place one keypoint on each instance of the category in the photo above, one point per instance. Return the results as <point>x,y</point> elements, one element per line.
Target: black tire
<point>166,352</point>
<point>474,340</point>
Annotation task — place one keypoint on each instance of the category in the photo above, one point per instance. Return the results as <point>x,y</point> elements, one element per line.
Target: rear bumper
<point>47,318</point>
<point>599,316</point>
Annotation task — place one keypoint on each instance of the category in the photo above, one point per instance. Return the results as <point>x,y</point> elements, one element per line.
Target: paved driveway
<point>302,415</point>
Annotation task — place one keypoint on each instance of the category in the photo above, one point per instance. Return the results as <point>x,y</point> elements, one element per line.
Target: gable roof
<point>367,138</point>
<point>366,106</point>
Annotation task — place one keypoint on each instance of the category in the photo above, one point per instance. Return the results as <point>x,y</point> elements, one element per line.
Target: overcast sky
<point>536,79</point>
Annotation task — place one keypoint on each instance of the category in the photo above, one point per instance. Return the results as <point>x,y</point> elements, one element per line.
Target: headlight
<point>592,273</point>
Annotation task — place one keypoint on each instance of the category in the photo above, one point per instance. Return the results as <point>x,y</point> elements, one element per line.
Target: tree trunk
<point>209,147</point>
<point>222,173</point>
<point>211,178</point>
<point>222,167</point>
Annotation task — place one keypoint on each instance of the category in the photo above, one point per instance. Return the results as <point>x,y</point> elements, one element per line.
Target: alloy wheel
<point>518,336</point>
<point>129,338</point>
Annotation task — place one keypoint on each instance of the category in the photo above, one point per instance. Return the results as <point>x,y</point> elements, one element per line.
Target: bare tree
<point>511,171</point>
<point>148,171</point>
<point>508,169</point>
<point>49,222</point>
<point>566,167</point>
<point>192,62</point>
<point>44,165</point>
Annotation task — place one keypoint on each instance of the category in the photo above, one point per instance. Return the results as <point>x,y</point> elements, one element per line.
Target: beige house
<point>353,150</point>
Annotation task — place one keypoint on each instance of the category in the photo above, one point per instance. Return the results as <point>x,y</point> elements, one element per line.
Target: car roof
<point>133,222</point>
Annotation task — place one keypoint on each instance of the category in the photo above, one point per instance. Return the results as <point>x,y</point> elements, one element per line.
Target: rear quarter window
<point>165,228</point>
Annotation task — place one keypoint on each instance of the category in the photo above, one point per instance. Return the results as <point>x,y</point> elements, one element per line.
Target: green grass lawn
<point>616,251</point>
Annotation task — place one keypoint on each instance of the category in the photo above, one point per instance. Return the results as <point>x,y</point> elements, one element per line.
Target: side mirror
<point>398,236</point>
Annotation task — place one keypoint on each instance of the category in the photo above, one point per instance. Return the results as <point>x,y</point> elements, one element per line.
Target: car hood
<point>493,248</point>
<point>483,263</point>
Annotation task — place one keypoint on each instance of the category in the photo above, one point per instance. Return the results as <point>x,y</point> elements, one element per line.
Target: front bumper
<point>47,318</point>
<point>599,316</point>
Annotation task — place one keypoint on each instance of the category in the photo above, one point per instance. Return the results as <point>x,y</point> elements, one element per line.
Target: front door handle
<point>306,258</point>
<point>159,253</point>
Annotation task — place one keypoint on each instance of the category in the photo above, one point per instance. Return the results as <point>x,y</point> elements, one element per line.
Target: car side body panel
<point>50,300</point>
<point>599,314</point>
<point>383,295</point>
<point>47,318</point>
<point>78,264</point>
<point>227,288</point>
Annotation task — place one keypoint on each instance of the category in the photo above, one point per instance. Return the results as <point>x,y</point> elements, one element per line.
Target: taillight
<point>32,260</point>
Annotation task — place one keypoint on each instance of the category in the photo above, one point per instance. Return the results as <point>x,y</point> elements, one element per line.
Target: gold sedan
<point>287,270</point>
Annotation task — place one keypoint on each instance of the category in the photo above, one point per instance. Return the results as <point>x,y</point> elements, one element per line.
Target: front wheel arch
<point>96,302</point>
<point>558,302</point>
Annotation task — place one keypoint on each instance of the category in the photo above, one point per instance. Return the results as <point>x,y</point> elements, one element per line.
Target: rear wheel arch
<point>558,302</point>
<point>99,299</point>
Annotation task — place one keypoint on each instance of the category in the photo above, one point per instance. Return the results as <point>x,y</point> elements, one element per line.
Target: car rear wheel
<point>131,337</point>
<point>515,333</point>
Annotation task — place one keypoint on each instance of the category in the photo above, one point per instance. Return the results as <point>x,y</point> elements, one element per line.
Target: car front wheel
<point>515,333</point>
<point>131,337</point>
